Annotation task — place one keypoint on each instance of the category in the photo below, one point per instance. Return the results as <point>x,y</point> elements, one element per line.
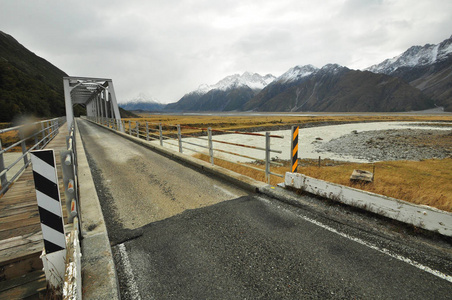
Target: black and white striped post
<point>51,215</point>
<point>294,152</point>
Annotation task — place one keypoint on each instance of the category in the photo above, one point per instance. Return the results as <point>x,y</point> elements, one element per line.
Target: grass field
<point>427,182</point>
<point>247,121</point>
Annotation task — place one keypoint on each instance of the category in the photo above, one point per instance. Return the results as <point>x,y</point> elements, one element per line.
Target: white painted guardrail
<point>422,216</point>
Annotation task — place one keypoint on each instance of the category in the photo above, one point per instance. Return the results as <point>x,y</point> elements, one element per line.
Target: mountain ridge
<point>228,94</point>
<point>142,102</point>
<point>338,88</point>
<point>427,68</point>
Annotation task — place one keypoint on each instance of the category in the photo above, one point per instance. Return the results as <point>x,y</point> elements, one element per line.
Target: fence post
<point>161,134</point>
<point>138,129</point>
<point>48,130</point>
<point>294,149</point>
<point>130,128</point>
<point>267,156</point>
<point>36,140</point>
<point>3,179</point>
<point>179,136</point>
<point>50,124</point>
<point>147,131</point>
<point>209,134</point>
<point>24,146</point>
<point>53,128</point>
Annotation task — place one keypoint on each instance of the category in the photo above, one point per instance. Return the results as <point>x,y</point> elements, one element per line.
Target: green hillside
<point>29,84</point>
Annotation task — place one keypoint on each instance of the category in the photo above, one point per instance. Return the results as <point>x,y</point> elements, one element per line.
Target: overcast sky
<point>166,48</point>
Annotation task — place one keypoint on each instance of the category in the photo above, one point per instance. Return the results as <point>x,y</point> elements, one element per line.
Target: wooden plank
<point>19,190</point>
<point>20,240</point>
<point>27,290</point>
<point>21,252</point>
<point>27,278</point>
<point>20,231</point>
<point>17,198</point>
<point>13,210</point>
<point>20,217</point>
<point>361,175</point>
<point>14,224</point>
<point>22,265</point>
<point>18,204</point>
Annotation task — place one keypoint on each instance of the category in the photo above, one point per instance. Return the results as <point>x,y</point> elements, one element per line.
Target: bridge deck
<point>21,242</point>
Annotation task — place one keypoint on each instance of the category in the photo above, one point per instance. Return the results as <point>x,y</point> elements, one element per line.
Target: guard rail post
<point>36,138</point>
<point>55,127</point>
<point>179,136</point>
<point>52,127</point>
<point>47,126</point>
<point>161,134</point>
<point>43,134</point>
<point>267,156</point>
<point>130,128</point>
<point>209,134</point>
<point>24,146</point>
<point>3,179</point>
<point>138,128</point>
<point>147,131</point>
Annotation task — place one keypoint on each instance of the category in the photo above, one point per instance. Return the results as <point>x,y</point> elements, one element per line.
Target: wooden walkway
<point>21,274</point>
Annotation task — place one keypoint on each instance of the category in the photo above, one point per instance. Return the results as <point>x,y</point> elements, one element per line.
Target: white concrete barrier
<point>422,216</point>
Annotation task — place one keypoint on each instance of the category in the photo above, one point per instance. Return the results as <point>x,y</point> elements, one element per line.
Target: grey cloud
<point>168,48</point>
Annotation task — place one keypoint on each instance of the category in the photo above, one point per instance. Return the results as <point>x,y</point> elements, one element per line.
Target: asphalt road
<point>179,234</point>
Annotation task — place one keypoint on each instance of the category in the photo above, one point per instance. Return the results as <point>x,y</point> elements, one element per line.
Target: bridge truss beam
<point>97,95</point>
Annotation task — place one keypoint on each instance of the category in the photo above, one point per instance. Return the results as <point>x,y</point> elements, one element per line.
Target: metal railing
<point>24,138</point>
<point>69,166</point>
<point>199,140</point>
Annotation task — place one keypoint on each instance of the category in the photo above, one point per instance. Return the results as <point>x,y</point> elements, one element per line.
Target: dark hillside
<point>339,89</point>
<point>28,83</point>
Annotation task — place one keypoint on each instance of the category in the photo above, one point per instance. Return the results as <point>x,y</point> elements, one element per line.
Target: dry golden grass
<point>10,137</point>
<point>425,182</point>
<point>246,121</point>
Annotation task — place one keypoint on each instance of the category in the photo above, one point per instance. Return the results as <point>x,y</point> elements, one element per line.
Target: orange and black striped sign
<point>294,149</point>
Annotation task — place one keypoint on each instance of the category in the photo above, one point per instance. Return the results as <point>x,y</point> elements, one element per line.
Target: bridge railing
<point>17,142</point>
<point>205,142</point>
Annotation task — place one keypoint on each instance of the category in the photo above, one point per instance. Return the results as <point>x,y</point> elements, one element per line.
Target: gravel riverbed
<point>393,144</point>
<point>353,142</point>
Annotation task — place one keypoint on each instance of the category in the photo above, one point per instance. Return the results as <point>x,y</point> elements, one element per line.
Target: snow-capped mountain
<point>142,102</point>
<point>336,88</point>
<point>415,56</point>
<point>229,94</point>
<point>297,73</point>
<point>143,97</point>
<point>426,68</point>
<point>252,80</point>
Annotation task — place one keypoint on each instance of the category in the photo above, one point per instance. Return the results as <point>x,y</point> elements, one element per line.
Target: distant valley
<point>418,79</point>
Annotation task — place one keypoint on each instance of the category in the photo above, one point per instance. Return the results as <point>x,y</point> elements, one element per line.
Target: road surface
<point>179,234</point>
